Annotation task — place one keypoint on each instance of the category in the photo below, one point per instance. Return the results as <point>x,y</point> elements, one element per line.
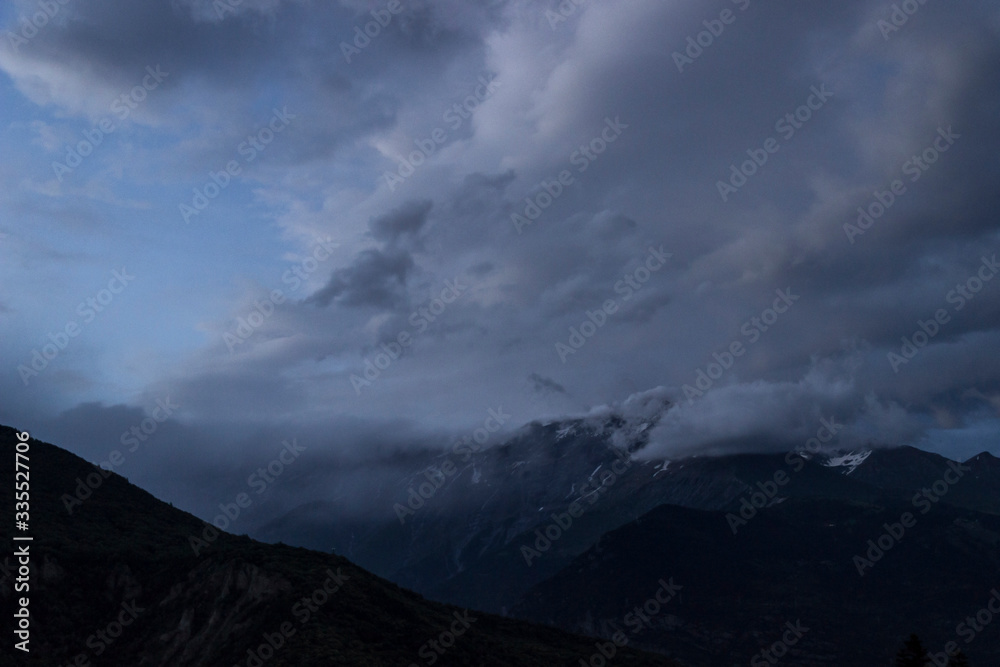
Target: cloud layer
<point>492,181</point>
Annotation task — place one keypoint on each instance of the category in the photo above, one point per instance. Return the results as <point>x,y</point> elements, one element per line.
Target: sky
<point>365,224</point>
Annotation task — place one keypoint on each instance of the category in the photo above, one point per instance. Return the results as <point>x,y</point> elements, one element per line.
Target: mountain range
<point>118,582</point>
<point>568,524</point>
<point>564,530</point>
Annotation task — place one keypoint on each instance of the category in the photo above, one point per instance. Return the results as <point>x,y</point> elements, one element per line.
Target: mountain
<point>497,534</point>
<point>910,471</point>
<point>563,524</point>
<point>465,537</point>
<point>426,542</point>
<point>117,581</point>
<point>795,563</point>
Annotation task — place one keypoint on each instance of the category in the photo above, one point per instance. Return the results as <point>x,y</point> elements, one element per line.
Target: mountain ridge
<point>237,602</point>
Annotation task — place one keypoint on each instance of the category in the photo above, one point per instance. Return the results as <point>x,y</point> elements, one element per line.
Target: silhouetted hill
<point>118,583</point>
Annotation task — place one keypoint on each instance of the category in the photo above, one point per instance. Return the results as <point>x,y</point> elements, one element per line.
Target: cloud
<point>779,416</point>
<point>544,384</point>
<point>378,276</point>
<point>402,225</point>
<point>377,279</point>
<point>655,185</point>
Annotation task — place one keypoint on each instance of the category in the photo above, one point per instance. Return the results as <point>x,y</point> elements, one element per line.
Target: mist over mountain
<point>567,524</point>
<point>123,580</point>
<point>561,525</point>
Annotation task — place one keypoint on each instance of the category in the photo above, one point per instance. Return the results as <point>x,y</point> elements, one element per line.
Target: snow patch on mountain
<point>849,461</point>
<point>565,431</point>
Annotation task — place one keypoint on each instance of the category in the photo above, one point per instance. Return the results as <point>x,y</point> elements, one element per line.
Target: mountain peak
<point>984,459</point>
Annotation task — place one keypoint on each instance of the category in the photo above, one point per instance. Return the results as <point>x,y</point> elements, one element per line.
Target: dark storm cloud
<point>118,34</point>
<point>114,40</point>
<point>285,50</point>
<point>655,185</point>
<point>377,278</point>
<point>402,225</point>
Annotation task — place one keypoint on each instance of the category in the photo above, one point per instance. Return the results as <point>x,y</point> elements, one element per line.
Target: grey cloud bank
<point>519,206</point>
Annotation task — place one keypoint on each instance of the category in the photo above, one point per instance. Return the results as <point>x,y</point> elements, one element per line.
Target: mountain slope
<point>465,543</point>
<point>117,582</point>
<point>793,562</point>
<point>909,471</point>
